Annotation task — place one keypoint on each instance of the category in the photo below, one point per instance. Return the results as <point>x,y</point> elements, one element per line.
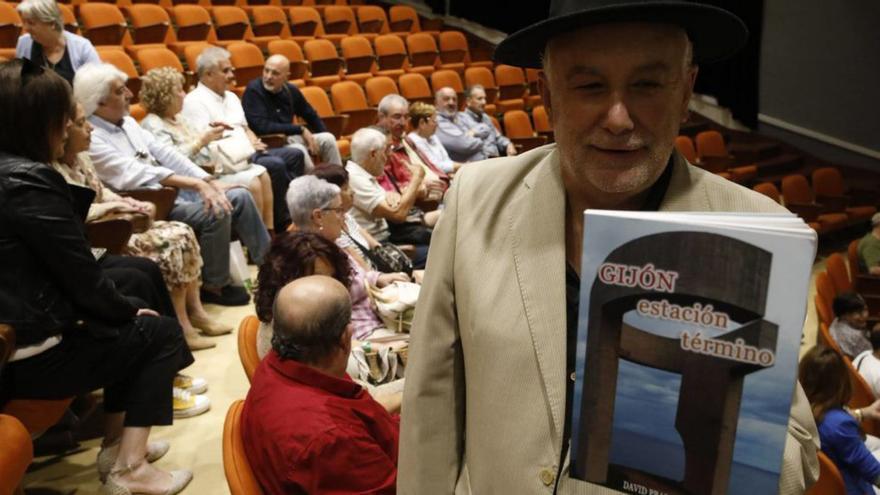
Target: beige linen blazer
<point>484,402</point>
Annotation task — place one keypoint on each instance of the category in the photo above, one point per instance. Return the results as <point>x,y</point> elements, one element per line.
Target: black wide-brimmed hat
<point>716,33</point>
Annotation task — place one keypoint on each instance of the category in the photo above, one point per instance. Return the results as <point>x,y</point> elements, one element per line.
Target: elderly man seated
<point>456,134</point>
<point>393,112</point>
<point>373,209</point>
<point>127,157</point>
<point>271,103</point>
<point>211,103</point>
<point>307,427</point>
<point>475,118</point>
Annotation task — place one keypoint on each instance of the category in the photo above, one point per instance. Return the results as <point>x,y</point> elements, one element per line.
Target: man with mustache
<point>491,360</point>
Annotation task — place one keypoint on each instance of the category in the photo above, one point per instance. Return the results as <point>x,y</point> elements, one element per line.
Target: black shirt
<point>572,302</point>
<point>272,113</point>
<point>63,68</point>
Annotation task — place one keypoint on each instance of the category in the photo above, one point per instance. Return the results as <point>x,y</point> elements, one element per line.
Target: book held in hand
<point>689,327</point>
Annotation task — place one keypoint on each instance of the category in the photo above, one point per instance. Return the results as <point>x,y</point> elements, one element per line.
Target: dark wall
<point>820,67</point>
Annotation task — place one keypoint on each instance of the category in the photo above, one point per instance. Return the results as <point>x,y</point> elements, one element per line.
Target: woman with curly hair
<point>162,95</point>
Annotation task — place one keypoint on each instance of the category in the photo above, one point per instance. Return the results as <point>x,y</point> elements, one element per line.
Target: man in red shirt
<point>307,428</point>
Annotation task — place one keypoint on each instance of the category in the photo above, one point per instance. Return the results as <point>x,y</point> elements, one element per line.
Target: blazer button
<point>547,476</point>
<point>80,323</point>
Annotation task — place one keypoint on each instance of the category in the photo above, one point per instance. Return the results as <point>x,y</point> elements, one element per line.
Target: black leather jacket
<point>49,280</point>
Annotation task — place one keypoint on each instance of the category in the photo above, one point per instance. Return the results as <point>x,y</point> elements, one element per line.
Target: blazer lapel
<point>685,192</point>
<point>537,217</point>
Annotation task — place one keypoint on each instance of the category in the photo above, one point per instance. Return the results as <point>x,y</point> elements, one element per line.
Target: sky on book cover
<point>643,433</point>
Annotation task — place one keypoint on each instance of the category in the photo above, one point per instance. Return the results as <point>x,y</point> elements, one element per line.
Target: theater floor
<point>196,443</point>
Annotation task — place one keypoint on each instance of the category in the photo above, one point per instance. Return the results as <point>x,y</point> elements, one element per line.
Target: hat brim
<point>716,33</point>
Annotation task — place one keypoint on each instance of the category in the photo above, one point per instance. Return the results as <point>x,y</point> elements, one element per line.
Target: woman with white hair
<point>162,95</point>
<point>316,206</point>
<point>46,43</point>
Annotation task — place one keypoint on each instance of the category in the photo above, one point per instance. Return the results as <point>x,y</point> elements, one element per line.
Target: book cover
<point>688,338</point>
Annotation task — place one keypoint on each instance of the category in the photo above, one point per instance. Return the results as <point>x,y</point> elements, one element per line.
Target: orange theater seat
<point>542,122</point>
<point>685,146</point>
<point>830,189</point>
<point>349,99</point>
<point>799,199</point>
<point>326,66</point>
<point>248,62</point>
<point>512,88</point>
<point>836,267</point>
<point>339,22</point>
<point>423,53</point>
<point>830,481</point>
<point>150,27</point>
<point>414,87</point>
<point>454,50</point>
<point>305,24</point>
<point>372,22</point>
<point>239,474</point>
<point>405,19</point>
<point>247,345</point>
<point>711,144</point>
<point>10,29</point>
<point>319,100</point>
<point>193,26</point>
<point>269,23</point>
<point>16,454</point>
<point>103,23</point>
<point>519,130</point>
<point>378,87</point>
<point>360,61</point>
<point>390,56</point>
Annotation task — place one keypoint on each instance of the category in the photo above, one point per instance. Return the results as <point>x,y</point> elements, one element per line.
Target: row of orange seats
<point>825,206</point>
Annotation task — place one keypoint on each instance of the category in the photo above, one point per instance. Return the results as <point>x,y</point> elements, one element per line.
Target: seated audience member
<point>48,44</point>
<point>868,364</point>
<point>373,209</point>
<point>823,375</point>
<point>271,103</point>
<point>423,121</point>
<point>307,427</point>
<point>210,104</point>
<point>316,207</point>
<point>295,255</point>
<point>74,331</point>
<point>127,157</point>
<point>869,248</point>
<point>172,245</point>
<point>393,111</point>
<point>459,139</point>
<point>474,117</point>
<point>162,95</point>
<point>848,328</point>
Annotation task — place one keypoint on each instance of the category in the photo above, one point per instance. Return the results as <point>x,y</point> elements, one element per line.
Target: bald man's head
<point>446,100</point>
<point>310,318</point>
<point>275,73</point>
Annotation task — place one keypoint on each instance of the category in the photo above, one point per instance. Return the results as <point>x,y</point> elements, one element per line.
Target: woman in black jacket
<point>74,331</point>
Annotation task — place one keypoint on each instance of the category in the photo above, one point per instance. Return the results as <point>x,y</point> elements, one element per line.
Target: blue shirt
<point>842,443</point>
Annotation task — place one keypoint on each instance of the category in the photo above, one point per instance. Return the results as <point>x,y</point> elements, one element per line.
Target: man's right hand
<point>215,201</point>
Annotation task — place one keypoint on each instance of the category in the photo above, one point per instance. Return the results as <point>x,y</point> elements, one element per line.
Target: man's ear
<point>345,339</point>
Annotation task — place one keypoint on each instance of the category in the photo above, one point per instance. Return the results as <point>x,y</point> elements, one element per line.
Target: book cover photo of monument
<point>688,338</point>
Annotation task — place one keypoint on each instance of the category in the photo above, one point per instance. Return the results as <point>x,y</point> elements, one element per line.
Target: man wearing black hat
<point>491,362</point>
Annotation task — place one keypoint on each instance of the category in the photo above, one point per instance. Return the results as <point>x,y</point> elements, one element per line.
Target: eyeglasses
<point>338,210</point>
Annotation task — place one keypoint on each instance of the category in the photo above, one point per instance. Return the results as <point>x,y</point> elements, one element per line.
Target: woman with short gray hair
<point>316,207</point>
<point>48,44</point>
